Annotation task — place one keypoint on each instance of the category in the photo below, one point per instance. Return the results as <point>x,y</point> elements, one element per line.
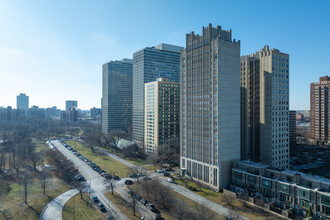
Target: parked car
<point>79,177</point>
<point>168,169</point>
<point>116,178</point>
<point>102,208</point>
<point>95,199</point>
<point>146,178</point>
<point>168,179</point>
<point>128,182</point>
<point>160,171</point>
<point>144,202</point>
<point>167,174</point>
<point>133,175</point>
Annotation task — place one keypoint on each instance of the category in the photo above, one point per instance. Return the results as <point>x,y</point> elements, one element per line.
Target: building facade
<point>265,107</point>
<point>70,104</point>
<point>319,111</point>
<point>96,113</point>
<point>22,102</point>
<point>149,64</point>
<point>117,95</point>
<point>161,113</point>
<point>292,130</point>
<point>285,188</point>
<point>210,106</point>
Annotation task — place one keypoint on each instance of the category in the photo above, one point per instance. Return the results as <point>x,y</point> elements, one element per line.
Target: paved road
<point>53,210</point>
<point>97,186</point>
<point>93,180</point>
<point>221,210</point>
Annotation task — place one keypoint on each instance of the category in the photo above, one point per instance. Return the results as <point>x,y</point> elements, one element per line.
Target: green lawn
<point>77,208</point>
<point>106,163</point>
<point>13,202</point>
<point>236,204</point>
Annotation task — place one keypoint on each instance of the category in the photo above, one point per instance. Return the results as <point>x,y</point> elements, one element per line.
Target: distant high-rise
<point>23,102</point>
<point>265,107</point>
<point>70,104</point>
<point>96,113</point>
<point>149,64</point>
<point>210,106</point>
<point>319,113</point>
<point>161,113</point>
<point>117,95</point>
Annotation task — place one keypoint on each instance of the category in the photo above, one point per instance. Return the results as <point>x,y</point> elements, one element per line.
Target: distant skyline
<point>54,50</point>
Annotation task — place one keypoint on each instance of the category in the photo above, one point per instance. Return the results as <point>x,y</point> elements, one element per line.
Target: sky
<point>54,50</point>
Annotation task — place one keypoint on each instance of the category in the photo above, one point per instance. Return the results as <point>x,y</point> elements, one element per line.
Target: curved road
<point>55,207</point>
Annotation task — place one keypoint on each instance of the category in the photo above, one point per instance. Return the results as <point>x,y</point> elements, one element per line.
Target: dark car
<point>167,174</point>
<point>116,178</point>
<point>95,199</point>
<point>168,169</point>
<point>128,182</point>
<point>102,208</point>
<point>79,177</point>
<point>133,175</point>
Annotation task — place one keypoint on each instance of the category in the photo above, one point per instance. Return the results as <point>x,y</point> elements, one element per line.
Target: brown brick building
<point>319,113</point>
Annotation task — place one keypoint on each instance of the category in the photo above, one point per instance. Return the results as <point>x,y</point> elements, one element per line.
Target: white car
<point>160,171</point>
<point>170,180</point>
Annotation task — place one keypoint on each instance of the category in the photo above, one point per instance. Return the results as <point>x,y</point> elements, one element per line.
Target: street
<point>97,187</point>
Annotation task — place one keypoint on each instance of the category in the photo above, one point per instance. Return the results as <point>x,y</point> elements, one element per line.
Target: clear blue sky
<point>54,50</point>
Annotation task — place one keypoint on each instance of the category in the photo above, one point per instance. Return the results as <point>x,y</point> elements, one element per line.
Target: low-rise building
<point>285,188</point>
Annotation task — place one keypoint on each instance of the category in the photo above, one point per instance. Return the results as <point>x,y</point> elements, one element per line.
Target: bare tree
<point>43,175</point>
<point>109,184</point>
<point>35,157</point>
<point>202,212</point>
<point>181,211</point>
<point>16,164</point>
<point>80,187</point>
<point>227,199</point>
<point>133,201</point>
<point>153,159</point>
<point>165,198</point>
<point>234,215</point>
<point>3,213</point>
<point>146,185</point>
<point>25,182</point>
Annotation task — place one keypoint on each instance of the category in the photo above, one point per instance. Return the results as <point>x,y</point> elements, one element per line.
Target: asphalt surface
<point>217,208</point>
<point>96,184</point>
<point>53,210</point>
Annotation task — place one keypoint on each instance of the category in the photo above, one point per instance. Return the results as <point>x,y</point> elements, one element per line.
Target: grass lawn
<point>106,163</point>
<point>236,204</point>
<point>13,201</point>
<point>82,209</point>
<point>190,203</point>
<point>122,205</point>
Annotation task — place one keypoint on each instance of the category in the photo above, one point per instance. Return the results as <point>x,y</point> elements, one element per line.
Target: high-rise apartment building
<point>149,64</point>
<point>319,113</point>
<point>70,104</point>
<point>22,102</point>
<point>210,106</point>
<point>265,107</point>
<point>161,113</point>
<point>292,129</point>
<point>117,95</point>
